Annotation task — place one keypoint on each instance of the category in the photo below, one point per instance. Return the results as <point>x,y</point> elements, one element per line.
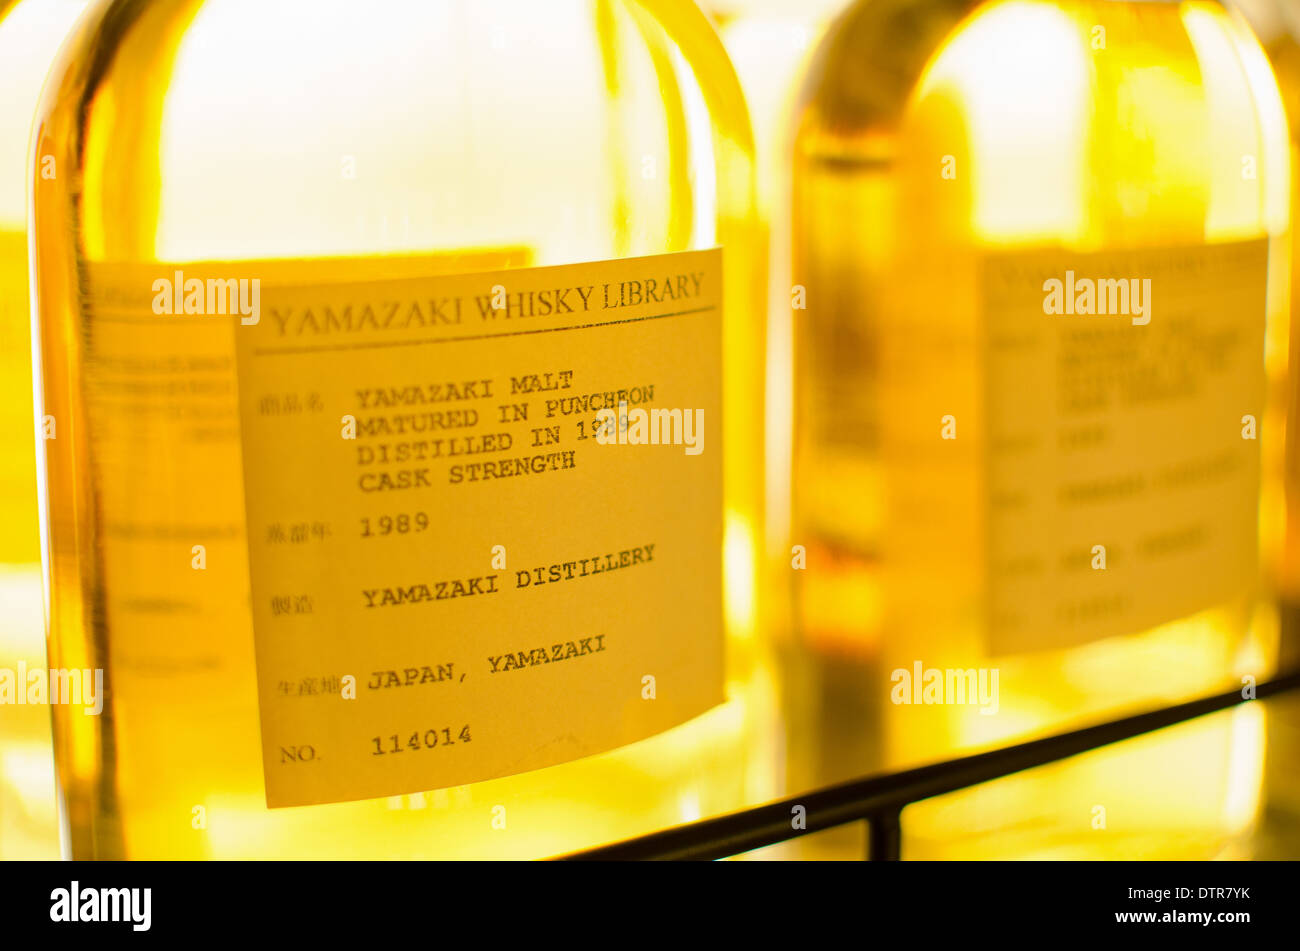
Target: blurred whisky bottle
<point>770,43</point>
<point>30,33</point>
<point>1039,243</point>
<point>409,201</point>
<point>1277,23</point>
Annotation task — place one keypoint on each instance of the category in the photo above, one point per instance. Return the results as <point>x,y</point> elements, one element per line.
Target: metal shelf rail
<point>880,800</point>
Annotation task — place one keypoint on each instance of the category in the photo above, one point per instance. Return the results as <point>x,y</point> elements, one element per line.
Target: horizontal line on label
<point>276,351</point>
<point>133,316</point>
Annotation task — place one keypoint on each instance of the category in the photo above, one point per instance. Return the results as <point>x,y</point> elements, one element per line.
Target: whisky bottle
<point>30,33</point>
<point>407,366</point>
<point>770,43</point>
<point>1276,25</point>
<point>1040,243</point>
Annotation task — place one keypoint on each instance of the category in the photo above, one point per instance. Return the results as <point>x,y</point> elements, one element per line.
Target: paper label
<point>460,569</point>
<point>1123,470</point>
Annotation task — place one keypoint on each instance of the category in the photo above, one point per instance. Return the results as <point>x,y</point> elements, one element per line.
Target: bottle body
<point>1276,24</point>
<point>30,33</point>
<point>969,509</point>
<point>494,136</point>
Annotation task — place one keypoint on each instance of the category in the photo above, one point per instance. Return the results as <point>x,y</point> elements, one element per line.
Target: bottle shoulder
<point>400,64</point>
<point>430,123</point>
<point>881,56</point>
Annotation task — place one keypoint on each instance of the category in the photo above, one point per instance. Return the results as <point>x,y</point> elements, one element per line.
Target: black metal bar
<point>885,836</point>
<point>880,795</point>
